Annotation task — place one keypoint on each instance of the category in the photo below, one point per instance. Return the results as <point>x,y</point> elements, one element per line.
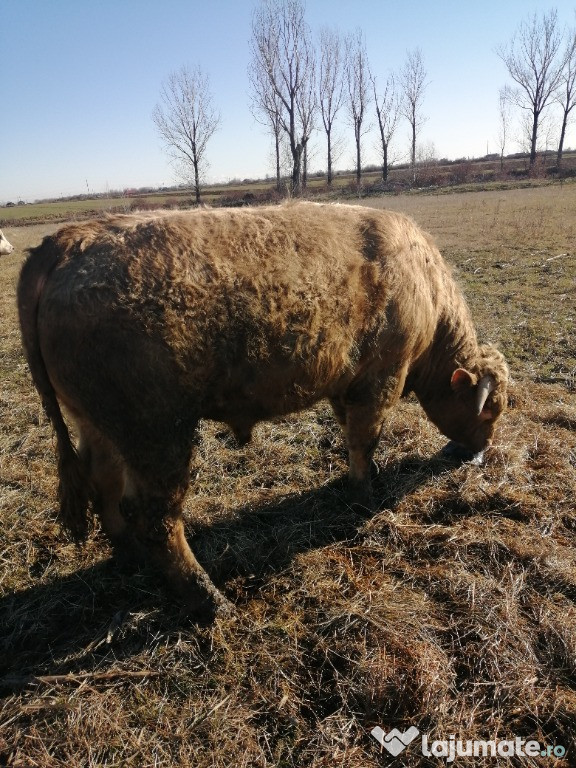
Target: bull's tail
<point>74,494</point>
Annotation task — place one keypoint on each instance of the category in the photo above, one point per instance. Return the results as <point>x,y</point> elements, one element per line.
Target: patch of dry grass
<point>452,608</point>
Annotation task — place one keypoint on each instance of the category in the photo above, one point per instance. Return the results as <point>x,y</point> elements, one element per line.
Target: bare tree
<point>186,120</point>
<point>306,106</point>
<point>413,82</point>
<point>266,107</point>
<point>388,106</point>
<point>567,89</point>
<point>330,87</point>
<point>533,62</point>
<point>503,122</point>
<point>357,82</point>
<point>283,63</point>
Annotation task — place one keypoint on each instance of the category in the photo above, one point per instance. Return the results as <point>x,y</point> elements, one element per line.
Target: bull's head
<point>469,408</point>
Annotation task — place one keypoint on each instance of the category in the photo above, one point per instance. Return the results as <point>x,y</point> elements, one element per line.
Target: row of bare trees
<point>541,60</point>
<point>296,88</point>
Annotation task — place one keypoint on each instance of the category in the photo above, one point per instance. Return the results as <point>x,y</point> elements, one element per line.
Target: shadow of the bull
<point>74,621</point>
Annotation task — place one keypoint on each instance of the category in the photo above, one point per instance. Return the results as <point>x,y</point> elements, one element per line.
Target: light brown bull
<point>142,325</point>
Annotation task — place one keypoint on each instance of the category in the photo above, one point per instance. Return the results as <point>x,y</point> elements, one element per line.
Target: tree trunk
<point>277,147</point>
<point>196,181</point>
<point>533,139</point>
<point>358,158</point>
<point>384,161</point>
<point>561,142</point>
<point>384,150</point>
<point>296,169</point>
<point>329,137</point>
<point>413,157</point>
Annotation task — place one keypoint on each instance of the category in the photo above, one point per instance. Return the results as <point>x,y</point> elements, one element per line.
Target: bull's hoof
<point>224,608</point>
<point>200,598</point>
<point>360,497</point>
<point>205,607</point>
<point>128,555</point>
<point>243,436</point>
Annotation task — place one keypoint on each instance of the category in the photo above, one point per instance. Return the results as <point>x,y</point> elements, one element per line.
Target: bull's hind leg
<point>157,522</point>
<point>141,514</point>
<point>108,476</point>
<point>154,515</point>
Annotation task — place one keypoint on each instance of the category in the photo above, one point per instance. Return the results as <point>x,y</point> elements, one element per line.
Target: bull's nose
<point>459,452</point>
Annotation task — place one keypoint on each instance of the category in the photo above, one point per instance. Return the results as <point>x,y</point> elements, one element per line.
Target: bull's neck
<point>454,346</point>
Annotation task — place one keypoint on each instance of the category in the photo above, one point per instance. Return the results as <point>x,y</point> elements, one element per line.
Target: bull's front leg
<point>363,429</point>
<point>362,413</point>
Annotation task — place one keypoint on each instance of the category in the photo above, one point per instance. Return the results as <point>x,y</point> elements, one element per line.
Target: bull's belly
<point>255,408</point>
<point>242,411</point>
<point>261,400</point>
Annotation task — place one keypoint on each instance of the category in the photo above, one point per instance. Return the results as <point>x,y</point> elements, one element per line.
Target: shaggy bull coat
<point>142,325</point>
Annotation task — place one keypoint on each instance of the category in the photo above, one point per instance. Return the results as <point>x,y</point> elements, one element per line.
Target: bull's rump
<point>237,316</point>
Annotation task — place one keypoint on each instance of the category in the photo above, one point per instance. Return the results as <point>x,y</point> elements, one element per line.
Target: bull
<point>139,326</point>
<point>5,247</point>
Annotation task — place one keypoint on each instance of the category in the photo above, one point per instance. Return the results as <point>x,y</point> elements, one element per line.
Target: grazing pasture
<point>452,608</point>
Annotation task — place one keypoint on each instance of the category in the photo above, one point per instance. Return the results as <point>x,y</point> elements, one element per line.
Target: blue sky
<point>80,78</point>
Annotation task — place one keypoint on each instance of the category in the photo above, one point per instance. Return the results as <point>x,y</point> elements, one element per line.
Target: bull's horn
<point>485,386</point>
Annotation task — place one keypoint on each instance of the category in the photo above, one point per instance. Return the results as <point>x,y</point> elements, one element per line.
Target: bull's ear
<point>461,380</point>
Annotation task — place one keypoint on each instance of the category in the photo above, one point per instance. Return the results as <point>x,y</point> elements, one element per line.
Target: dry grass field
<point>452,608</point>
